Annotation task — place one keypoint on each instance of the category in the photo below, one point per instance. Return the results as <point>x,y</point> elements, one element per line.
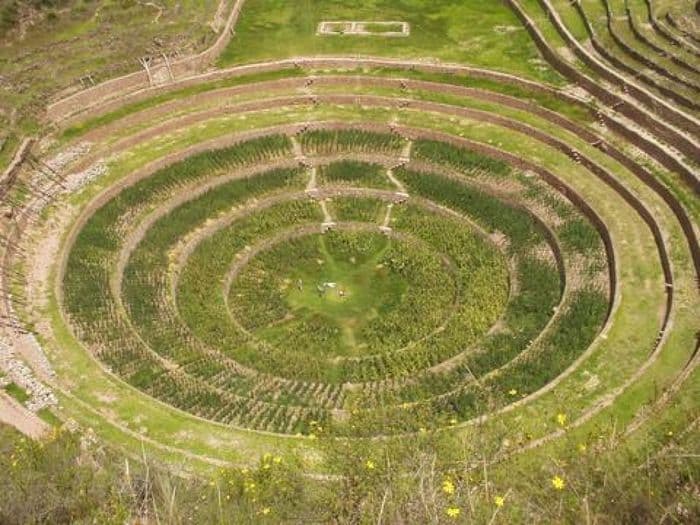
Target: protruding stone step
<point>401,196</point>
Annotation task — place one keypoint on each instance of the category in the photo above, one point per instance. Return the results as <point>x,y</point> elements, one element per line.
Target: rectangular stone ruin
<point>364,28</point>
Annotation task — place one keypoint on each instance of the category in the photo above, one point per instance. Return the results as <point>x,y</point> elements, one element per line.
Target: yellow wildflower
<point>452,512</point>
<point>561,419</point>
<point>266,511</point>
<point>499,501</point>
<point>370,465</point>
<point>448,487</point>
<point>513,391</point>
<point>558,483</point>
<point>277,460</point>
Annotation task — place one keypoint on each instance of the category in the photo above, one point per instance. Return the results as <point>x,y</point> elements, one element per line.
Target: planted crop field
<point>450,293</point>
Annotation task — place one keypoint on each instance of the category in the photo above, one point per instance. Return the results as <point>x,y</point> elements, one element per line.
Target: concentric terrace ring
<point>193,184</point>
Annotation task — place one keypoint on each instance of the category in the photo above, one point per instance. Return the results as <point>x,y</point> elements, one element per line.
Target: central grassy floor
<point>338,294</point>
<point>347,291</point>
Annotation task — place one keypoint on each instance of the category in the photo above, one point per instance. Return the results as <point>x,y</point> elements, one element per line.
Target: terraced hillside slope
<point>447,276</point>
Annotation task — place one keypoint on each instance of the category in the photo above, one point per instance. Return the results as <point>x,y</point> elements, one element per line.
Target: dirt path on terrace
<point>220,95</point>
<point>609,116</point>
<point>100,105</point>
<point>14,414</point>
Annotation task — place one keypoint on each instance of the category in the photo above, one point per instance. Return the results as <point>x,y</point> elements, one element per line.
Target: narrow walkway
<point>311,185</point>
<point>406,151</point>
<point>300,156</point>
<point>296,149</point>
<point>328,221</point>
<point>385,228</point>
<point>405,158</point>
<point>396,182</point>
<point>28,423</point>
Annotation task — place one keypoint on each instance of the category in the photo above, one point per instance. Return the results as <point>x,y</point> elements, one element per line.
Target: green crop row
<point>326,142</point>
<point>357,209</point>
<point>349,173</point>
<point>459,158</point>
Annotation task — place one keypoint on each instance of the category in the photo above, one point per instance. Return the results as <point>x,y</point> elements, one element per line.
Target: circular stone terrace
<point>247,267</point>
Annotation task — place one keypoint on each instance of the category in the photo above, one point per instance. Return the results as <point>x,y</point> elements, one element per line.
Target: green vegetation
<point>459,158</point>
<point>327,142</point>
<point>10,10</point>
<point>8,146</point>
<point>209,318</point>
<point>16,391</point>
<point>344,294</point>
<point>67,40</point>
<point>468,32</point>
<point>357,209</point>
<point>358,323</point>
<point>66,481</point>
<point>579,235</point>
<point>349,173</point>
<point>382,28</point>
<point>220,338</point>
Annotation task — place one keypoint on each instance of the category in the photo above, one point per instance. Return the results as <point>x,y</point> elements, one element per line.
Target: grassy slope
<point>470,32</point>
<point>8,147</point>
<point>104,39</point>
